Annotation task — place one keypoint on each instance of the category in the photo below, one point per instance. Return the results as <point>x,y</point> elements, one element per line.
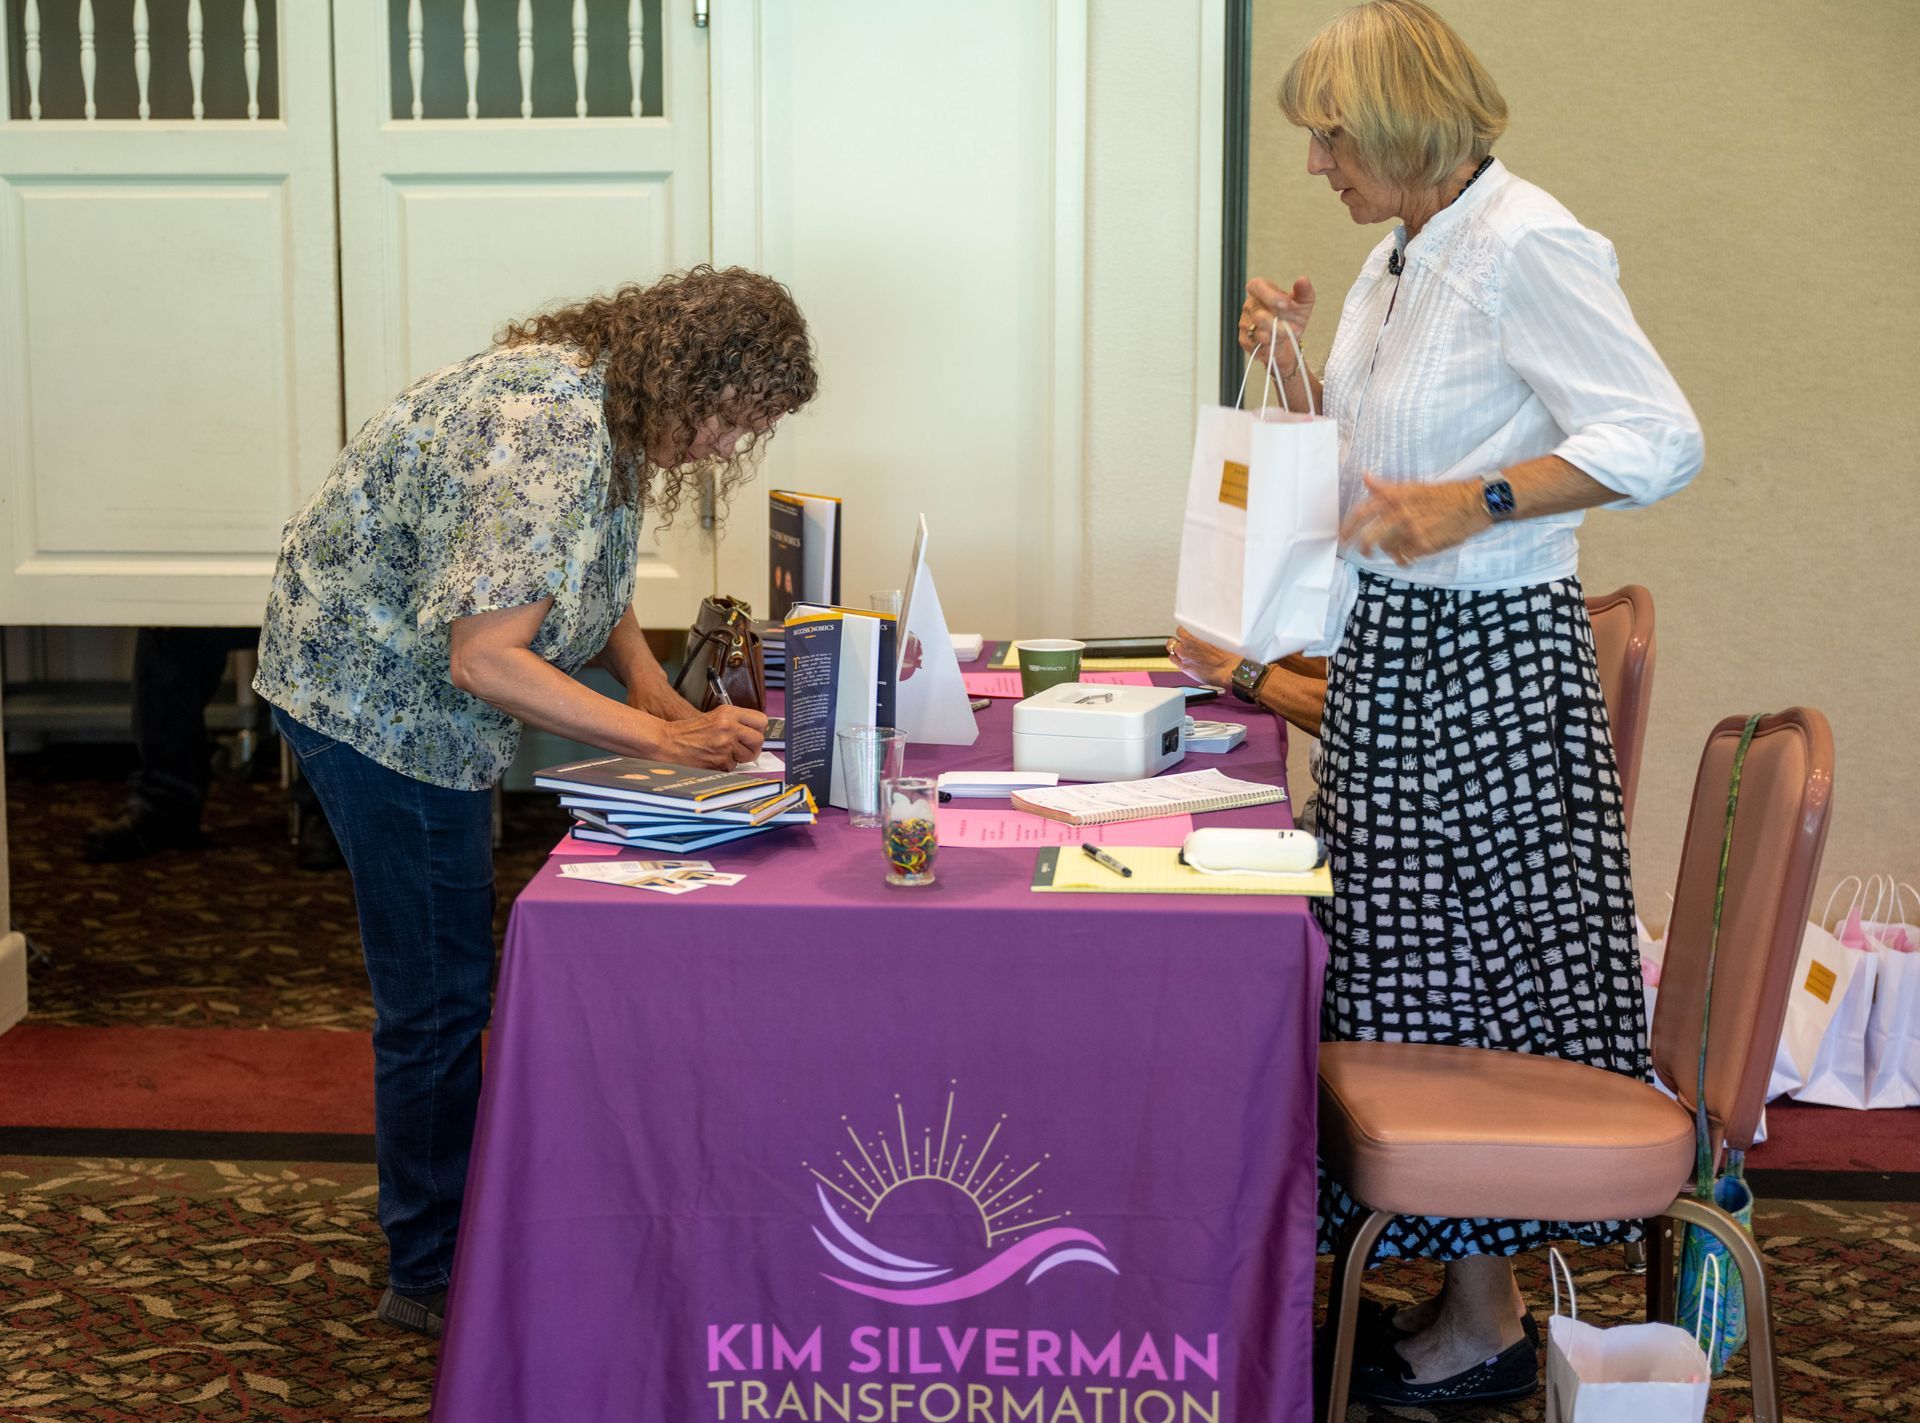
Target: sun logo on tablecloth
<point>996,1199</point>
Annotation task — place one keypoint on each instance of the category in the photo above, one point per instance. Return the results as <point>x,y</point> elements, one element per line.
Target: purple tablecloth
<point>814,1147</point>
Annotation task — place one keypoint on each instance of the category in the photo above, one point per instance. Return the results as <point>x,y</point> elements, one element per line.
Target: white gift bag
<point>1631,1373</point>
<point>1259,547</point>
<point>1821,976</point>
<point>1893,1023</point>
<point>1838,1074</point>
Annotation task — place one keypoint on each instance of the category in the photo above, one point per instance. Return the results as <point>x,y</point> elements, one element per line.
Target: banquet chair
<point>1623,646</point>
<point>1427,1130</point>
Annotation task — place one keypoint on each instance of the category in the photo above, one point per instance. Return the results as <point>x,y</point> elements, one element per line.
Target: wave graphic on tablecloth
<point>1045,1251</point>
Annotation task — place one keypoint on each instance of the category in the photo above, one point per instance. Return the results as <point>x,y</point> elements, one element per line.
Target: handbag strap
<point>1702,1133</point>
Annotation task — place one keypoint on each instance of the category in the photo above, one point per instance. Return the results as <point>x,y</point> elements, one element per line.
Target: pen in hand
<point>718,688</point>
<point>1102,857</point>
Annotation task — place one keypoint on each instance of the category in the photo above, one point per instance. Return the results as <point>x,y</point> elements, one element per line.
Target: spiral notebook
<point>1190,793</point>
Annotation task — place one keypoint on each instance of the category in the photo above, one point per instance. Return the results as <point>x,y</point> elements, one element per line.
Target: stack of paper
<point>653,805</point>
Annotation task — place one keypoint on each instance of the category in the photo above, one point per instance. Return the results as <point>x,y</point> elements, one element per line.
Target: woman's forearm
<point>1296,385</point>
<point>628,657</point>
<point>1550,485</point>
<point>528,688</point>
<point>1297,698</point>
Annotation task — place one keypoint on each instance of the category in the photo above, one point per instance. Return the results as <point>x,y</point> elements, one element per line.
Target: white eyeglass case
<point>1086,731</point>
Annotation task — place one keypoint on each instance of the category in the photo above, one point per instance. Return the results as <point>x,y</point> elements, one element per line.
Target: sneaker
<point>134,837</point>
<point>422,1314</point>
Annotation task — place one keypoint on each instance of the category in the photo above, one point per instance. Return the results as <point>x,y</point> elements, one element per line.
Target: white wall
<point>1153,209</point>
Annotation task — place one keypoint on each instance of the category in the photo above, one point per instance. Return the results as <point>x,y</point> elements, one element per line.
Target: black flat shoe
<point>134,837</point>
<point>1512,1373</point>
<point>422,1314</point>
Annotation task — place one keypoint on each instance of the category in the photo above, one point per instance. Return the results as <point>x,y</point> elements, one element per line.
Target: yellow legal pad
<point>1157,870</point>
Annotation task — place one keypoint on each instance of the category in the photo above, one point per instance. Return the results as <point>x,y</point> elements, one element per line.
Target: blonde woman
<point>1490,384</point>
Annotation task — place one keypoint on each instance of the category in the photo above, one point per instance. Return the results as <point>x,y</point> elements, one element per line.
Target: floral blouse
<point>482,487</point>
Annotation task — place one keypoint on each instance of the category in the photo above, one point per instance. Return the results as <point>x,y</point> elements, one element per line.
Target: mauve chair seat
<point>1420,1129</point>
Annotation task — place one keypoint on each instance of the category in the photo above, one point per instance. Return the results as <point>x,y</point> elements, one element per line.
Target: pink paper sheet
<point>959,826</point>
<point>1007,684</point>
<point>595,848</point>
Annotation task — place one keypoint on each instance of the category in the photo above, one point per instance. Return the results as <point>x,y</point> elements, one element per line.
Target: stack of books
<point>773,654</point>
<point>654,805</point>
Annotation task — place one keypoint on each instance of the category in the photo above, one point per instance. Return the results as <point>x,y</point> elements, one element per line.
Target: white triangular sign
<point>930,696</point>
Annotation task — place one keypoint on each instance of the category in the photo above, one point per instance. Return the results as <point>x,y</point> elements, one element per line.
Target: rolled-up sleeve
<point>1566,329</point>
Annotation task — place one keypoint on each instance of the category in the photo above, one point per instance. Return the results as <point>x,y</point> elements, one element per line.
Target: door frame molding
<point>1049,550</point>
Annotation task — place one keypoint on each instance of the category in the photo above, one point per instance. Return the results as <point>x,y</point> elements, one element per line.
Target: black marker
<point>1102,857</point>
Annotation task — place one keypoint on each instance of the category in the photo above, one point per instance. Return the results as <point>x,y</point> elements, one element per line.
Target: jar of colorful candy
<point>910,842</point>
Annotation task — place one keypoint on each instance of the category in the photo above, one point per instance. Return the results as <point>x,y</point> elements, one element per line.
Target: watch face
<point>1499,495</point>
<point>1246,674</point>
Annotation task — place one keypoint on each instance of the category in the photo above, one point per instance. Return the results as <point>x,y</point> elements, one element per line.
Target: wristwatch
<point>1247,678</point>
<point>1499,497</point>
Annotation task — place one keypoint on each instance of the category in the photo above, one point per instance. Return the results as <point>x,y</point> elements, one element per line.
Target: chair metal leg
<point>1753,1277</point>
<point>1663,1248</point>
<point>1343,1305</point>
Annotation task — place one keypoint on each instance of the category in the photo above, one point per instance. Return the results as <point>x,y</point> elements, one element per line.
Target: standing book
<point>803,550</point>
<point>840,673</point>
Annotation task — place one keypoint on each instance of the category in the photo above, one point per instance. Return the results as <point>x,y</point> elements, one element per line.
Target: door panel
<point>929,218</point>
<point>471,215</point>
<point>169,359</point>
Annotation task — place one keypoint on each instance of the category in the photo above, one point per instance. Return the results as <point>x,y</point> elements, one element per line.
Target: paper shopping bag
<point>1631,1373</point>
<point>1838,1074</point>
<point>1258,547</point>
<point>1820,980</point>
<point>1893,1022</point>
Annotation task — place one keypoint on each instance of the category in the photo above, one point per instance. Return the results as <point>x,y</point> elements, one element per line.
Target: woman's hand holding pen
<point>717,740</point>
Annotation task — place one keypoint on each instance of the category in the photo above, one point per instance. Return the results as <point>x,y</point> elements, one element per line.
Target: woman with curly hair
<point>473,547</point>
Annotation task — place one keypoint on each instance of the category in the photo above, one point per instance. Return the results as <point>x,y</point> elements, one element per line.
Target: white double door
<point>193,318</point>
<point>197,312</point>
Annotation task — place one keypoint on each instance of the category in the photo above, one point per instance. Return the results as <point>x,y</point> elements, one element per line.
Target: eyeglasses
<point>1324,137</point>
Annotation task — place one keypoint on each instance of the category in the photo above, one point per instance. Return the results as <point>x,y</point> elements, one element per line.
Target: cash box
<point>1087,731</point>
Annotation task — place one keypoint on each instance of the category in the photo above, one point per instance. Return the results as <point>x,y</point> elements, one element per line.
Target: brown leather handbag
<point>723,654</point>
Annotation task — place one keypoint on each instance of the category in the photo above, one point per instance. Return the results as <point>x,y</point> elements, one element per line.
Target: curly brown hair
<point>694,345</point>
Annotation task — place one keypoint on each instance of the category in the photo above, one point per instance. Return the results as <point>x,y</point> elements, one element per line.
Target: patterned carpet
<point>153,943</point>
<point>244,1289</point>
<point>195,1290</point>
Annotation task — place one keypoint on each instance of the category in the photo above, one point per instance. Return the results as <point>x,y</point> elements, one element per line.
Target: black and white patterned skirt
<point>1471,807</point>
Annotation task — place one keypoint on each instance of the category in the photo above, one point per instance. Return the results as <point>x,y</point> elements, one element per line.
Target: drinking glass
<point>868,755</point>
<point>910,841</point>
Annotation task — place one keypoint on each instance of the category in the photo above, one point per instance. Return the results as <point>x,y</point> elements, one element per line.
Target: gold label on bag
<point>1233,484</point>
<point>1820,981</point>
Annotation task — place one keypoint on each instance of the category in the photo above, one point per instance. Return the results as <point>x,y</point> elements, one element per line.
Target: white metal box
<point>1087,731</point>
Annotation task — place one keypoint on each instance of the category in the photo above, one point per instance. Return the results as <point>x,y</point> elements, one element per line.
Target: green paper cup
<point>1047,662</point>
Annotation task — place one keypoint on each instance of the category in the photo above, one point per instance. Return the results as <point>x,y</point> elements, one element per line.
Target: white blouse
<point>1505,337</point>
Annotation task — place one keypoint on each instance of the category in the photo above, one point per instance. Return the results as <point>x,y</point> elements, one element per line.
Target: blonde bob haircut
<point>1403,87</point>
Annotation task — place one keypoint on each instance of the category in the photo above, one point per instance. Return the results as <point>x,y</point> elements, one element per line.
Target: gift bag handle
<point>1556,1267</point>
<point>1702,1132</point>
<point>1272,374</point>
<point>1699,1318</point>
<point>1858,889</point>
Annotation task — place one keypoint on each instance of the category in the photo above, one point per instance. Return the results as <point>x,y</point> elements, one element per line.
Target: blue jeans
<point>422,862</point>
